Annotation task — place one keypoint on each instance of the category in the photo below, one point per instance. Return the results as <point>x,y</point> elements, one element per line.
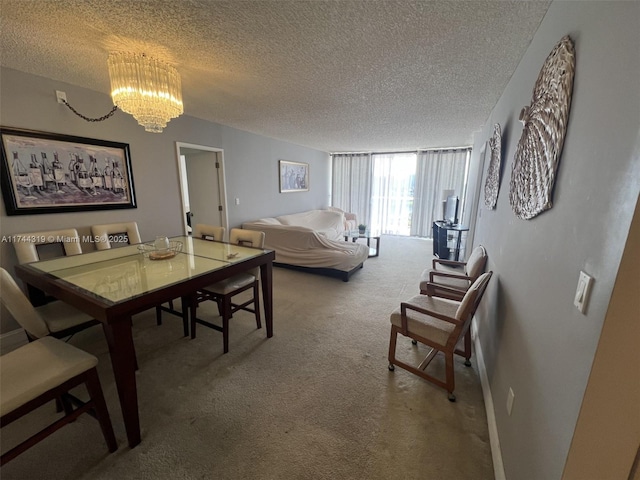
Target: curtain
<point>351,184</point>
<point>399,193</point>
<point>436,171</point>
<point>392,193</point>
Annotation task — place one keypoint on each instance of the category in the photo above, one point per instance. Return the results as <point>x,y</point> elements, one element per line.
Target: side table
<point>440,240</point>
<point>355,235</point>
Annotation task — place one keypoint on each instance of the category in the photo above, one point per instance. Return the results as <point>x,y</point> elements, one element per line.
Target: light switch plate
<point>510,398</point>
<point>582,292</point>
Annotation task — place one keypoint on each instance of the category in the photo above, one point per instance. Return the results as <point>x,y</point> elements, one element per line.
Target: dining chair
<point>45,370</point>
<point>56,319</point>
<point>26,245</point>
<point>441,324</point>
<point>62,319</point>
<point>36,246</point>
<point>451,279</point>
<point>223,292</point>
<point>107,234</point>
<point>208,232</point>
<point>205,232</point>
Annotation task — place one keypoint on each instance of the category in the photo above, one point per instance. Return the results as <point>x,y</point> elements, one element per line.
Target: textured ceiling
<point>346,75</point>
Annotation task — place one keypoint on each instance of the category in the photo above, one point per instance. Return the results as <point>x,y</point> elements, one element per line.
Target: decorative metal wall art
<point>545,123</point>
<point>492,184</point>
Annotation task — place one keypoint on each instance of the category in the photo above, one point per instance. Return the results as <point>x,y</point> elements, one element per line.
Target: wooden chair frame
<point>210,233</point>
<point>435,287</point>
<point>96,407</point>
<point>226,307</point>
<point>461,329</point>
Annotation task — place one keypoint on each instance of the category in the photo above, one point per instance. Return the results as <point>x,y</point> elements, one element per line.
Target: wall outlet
<point>510,398</point>
<point>60,96</point>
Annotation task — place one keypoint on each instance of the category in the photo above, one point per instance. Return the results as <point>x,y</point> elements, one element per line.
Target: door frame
<point>221,181</point>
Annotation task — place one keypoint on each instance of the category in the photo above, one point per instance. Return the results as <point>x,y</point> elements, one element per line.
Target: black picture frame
<point>43,172</point>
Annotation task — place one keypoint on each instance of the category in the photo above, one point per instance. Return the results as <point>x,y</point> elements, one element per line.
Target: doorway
<point>202,185</point>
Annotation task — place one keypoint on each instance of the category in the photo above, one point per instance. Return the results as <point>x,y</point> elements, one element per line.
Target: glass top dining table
<point>112,285</point>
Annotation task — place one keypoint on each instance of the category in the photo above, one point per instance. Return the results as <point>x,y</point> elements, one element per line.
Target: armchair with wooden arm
<point>441,324</point>
<point>451,279</point>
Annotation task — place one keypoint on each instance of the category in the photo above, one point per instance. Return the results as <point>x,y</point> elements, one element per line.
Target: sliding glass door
<point>392,192</point>
<point>399,193</point>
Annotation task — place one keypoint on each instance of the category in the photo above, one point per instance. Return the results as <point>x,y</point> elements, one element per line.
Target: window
<point>399,193</point>
<point>392,192</point>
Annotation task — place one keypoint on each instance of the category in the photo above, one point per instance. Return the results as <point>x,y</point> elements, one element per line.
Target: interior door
<point>201,175</point>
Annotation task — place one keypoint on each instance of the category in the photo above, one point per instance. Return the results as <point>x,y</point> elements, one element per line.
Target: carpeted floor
<point>316,401</point>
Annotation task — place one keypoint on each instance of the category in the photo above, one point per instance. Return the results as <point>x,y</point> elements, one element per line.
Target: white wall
<point>533,339</point>
<point>251,163</point>
<point>607,435</point>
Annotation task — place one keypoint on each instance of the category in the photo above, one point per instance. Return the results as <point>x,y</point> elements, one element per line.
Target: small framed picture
<point>294,176</point>
<point>52,173</point>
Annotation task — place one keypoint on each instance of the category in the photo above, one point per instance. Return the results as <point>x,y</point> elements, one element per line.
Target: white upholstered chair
<point>208,232</point>
<point>61,319</point>
<point>45,370</point>
<point>56,319</point>
<point>451,279</point>
<point>441,324</point>
<point>104,233</point>
<point>223,292</point>
<point>26,244</point>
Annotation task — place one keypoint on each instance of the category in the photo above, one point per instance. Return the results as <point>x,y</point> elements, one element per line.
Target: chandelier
<point>145,87</point>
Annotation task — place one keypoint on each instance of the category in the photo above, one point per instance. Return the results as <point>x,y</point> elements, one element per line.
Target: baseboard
<point>11,340</point>
<point>494,440</point>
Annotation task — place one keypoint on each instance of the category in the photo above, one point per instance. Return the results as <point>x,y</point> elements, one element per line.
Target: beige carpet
<point>316,401</point>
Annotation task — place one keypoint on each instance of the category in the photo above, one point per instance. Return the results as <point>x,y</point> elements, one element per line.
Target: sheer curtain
<point>436,171</point>
<point>351,184</point>
<point>392,193</point>
<point>399,193</point>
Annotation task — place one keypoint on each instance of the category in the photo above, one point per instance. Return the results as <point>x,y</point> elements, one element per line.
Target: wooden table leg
<point>266,278</point>
<point>120,341</point>
<point>186,304</point>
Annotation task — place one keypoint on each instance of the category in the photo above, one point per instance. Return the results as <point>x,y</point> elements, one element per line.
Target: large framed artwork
<point>45,172</point>
<point>294,176</point>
